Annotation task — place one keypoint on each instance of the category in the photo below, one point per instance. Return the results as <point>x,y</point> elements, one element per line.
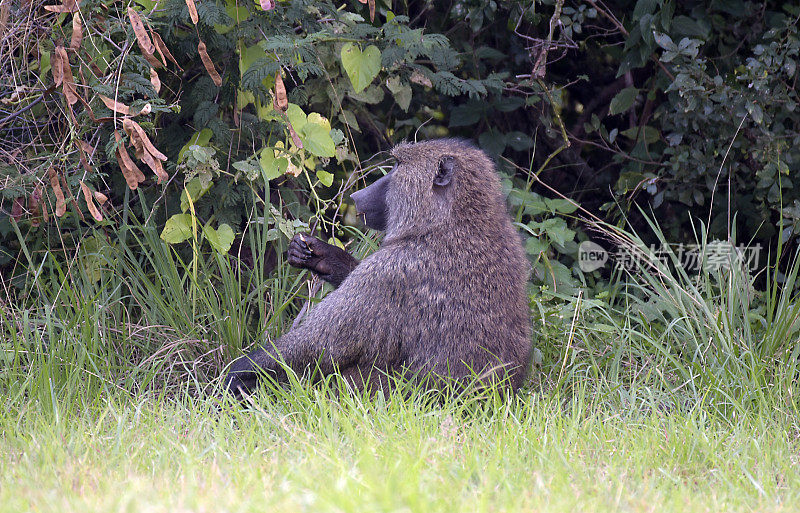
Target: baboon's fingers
<point>299,254</point>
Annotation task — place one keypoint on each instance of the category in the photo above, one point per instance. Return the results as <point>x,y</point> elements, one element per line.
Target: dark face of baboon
<point>443,296</point>
<point>371,203</point>
<point>433,183</point>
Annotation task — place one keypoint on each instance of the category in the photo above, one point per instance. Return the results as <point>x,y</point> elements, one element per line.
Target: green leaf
<point>347,117</point>
<point>271,167</point>
<point>685,26</point>
<point>44,64</point>
<point>371,95</point>
<point>465,115</point>
<point>220,239</point>
<point>201,138</point>
<point>665,42</point>
<point>316,136</point>
<point>519,141</point>
<point>195,188</point>
<point>644,7</point>
<point>401,91</point>
<point>536,245</point>
<point>648,133</point>
<point>755,111</point>
<point>325,178</point>
<point>623,100</point>
<point>361,67</point>
<point>178,228</point>
<point>555,228</point>
<point>296,116</point>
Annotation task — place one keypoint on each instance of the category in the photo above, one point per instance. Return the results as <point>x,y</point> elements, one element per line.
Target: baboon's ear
<point>444,174</point>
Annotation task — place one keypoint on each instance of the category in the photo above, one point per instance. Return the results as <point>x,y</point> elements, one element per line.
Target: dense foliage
<point>205,117</point>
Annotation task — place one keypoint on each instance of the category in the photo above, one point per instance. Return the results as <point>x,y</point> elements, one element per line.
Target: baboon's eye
<point>444,174</point>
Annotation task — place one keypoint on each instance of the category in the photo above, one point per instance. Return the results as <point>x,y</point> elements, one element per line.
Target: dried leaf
<point>363,1</point>
<point>208,63</point>
<point>45,213</point>
<point>100,197</point>
<point>192,11</point>
<point>82,153</point>
<point>5,8</point>
<point>295,138</point>
<point>88,108</point>
<point>281,100</point>
<point>419,78</point>
<point>371,10</point>
<point>133,175</point>
<point>96,70</point>
<point>66,6</point>
<point>70,93</point>
<point>57,67</point>
<point>116,106</point>
<point>132,126</point>
<point>87,195</point>
<point>145,150</point>
<point>34,205</point>
<point>61,204</point>
<point>77,31</point>
<point>72,198</point>
<point>67,81</point>
<point>154,164</point>
<point>145,44</point>
<point>155,80</point>
<point>84,162</point>
<point>162,48</point>
<point>16,209</point>
<point>158,49</point>
<point>86,147</point>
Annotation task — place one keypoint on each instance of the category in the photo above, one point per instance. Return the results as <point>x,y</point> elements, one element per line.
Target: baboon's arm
<point>300,349</point>
<point>329,262</point>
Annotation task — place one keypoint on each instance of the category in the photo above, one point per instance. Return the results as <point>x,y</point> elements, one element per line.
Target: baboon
<point>443,297</point>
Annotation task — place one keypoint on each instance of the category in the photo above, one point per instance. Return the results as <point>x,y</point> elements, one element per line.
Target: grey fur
<point>444,294</point>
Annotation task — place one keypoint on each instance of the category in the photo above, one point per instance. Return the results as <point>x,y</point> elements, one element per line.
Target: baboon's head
<point>433,183</point>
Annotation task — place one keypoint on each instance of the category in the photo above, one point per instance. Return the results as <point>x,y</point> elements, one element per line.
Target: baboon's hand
<point>241,378</point>
<point>330,262</point>
<point>306,252</point>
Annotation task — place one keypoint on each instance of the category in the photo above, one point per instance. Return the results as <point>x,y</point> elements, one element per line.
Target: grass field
<point>669,392</point>
<point>314,453</point>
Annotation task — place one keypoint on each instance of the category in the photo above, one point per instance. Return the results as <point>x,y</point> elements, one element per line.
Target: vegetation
<point>319,454</point>
<point>156,157</point>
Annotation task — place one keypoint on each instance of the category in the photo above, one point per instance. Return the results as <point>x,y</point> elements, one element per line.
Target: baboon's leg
<point>329,262</point>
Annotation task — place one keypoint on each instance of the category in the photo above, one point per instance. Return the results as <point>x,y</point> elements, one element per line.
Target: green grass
<point>668,392</point>
<point>315,453</point>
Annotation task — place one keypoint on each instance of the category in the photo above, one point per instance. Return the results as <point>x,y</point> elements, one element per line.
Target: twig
<point>541,61</point>
<point>27,107</point>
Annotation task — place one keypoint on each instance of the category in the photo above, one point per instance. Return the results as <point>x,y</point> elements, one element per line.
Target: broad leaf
<point>194,188</point>
<point>401,92</point>
<point>271,167</point>
<point>220,239</point>
<point>361,67</point>
<point>178,228</point>
<point>623,100</point>
<point>316,136</point>
<point>325,178</point>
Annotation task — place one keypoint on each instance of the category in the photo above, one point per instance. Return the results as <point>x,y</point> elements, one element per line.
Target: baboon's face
<point>371,203</point>
<point>416,192</point>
